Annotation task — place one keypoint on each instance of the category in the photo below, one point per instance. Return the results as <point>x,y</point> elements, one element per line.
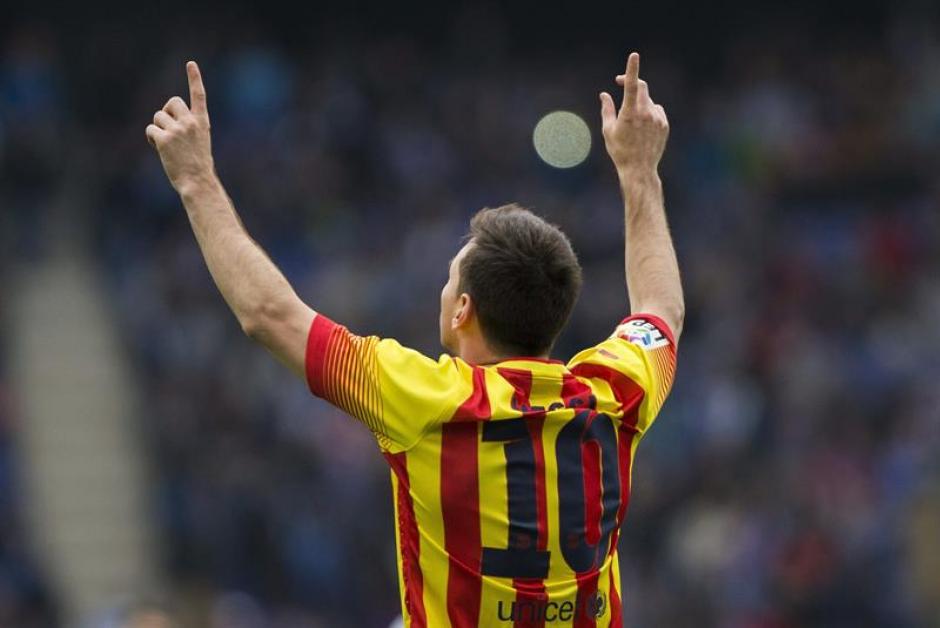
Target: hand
<point>181,135</point>
<point>635,136</point>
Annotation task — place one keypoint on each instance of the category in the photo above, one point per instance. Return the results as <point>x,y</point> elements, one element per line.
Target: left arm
<point>259,295</point>
<point>635,137</point>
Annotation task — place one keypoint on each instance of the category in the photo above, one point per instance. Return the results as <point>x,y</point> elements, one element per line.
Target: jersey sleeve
<point>638,361</point>
<point>397,392</point>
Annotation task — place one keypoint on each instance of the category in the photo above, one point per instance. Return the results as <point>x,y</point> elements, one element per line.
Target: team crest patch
<point>643,333</point>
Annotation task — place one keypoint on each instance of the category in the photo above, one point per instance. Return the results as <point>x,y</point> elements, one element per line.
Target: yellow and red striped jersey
<point>510,480</point>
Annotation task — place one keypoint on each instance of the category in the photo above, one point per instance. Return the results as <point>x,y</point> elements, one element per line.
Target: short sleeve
<point>638,361</point>
<point>397,392</point>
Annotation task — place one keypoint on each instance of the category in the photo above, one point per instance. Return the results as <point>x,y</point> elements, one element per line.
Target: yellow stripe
<point>491,469</point>
<point>546,386</point>
<point>494,502</point>
<point>340,385</point>
<point>360,376</point>
<point>376,394</point>
<point>424,474</point>
<point>329,367</point>
<point>367,383</point>
<point>603,587</point>
<point>351,380</point>
<point>495,590</point>
<point>606,399</point>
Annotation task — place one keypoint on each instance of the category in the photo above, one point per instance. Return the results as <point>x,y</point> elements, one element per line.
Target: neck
<point>479,353</point>
<point>480,356</point>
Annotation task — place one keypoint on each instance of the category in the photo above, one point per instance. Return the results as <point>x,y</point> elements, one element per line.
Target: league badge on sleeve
<point>643,333</point>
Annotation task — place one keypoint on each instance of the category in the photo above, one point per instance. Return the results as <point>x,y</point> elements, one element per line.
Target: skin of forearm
<point>254,288</point>
<point>652,270</point>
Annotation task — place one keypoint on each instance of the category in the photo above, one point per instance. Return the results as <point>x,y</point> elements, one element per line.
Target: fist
<point>635,136</point>
<point>181,135</point>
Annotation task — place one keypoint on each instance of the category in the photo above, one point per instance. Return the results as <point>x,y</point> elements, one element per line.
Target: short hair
<point>523,277</point>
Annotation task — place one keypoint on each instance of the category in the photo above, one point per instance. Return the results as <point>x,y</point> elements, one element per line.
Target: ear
<point>463,313</point>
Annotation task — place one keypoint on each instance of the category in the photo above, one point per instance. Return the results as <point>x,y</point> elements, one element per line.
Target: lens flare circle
<point>562,139</point>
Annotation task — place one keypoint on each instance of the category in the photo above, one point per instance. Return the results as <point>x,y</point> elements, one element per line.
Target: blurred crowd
<point>792,479</point>
<point>30,109</point>
<point>25,599</point>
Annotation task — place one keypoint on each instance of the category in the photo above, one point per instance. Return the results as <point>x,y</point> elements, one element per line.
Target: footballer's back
<point>511,480</point>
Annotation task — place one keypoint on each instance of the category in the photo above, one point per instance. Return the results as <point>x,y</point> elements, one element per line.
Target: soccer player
<point>510,470</point>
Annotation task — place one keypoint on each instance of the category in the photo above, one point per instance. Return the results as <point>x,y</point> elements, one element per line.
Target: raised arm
<point>635,138</point>
<point>266,306</point>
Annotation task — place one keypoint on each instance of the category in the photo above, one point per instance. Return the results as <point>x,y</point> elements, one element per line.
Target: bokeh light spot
<point>562,139</point>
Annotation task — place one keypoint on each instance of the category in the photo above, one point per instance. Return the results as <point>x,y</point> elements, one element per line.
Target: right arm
<point>259,295</point>
<point>635,138</point>
<point>398,393</point>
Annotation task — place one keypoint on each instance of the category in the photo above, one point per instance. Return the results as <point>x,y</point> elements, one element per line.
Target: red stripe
<point>616,612</point>
<point>460,504</point>
<point>627,433</point>
<point>335,378</point>
<point>629,395</point>
<point>530,594</point>
<point>317,343</point>
<point>460,507</point>
<point>477,406</point>
<point>591,470</point>
<point>627,392</point>
<point>541,498</point>
<point>575,393</point>
<point>587,588</point>
<point>409,543</point>
<point>521,382</point>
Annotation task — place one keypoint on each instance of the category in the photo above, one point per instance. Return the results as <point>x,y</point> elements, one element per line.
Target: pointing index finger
<point>197,91</point>
<point>631,81</point>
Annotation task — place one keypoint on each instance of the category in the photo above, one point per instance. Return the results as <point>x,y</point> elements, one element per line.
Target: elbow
<point>251,327</point>
<point>676,315</point>
<point>678,319</point>
<point>257,322</point>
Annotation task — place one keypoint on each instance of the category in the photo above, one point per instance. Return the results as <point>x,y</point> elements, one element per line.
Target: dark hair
<point>523,277</point>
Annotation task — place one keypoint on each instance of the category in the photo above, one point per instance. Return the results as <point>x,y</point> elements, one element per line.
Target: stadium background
<point>793,479</point>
